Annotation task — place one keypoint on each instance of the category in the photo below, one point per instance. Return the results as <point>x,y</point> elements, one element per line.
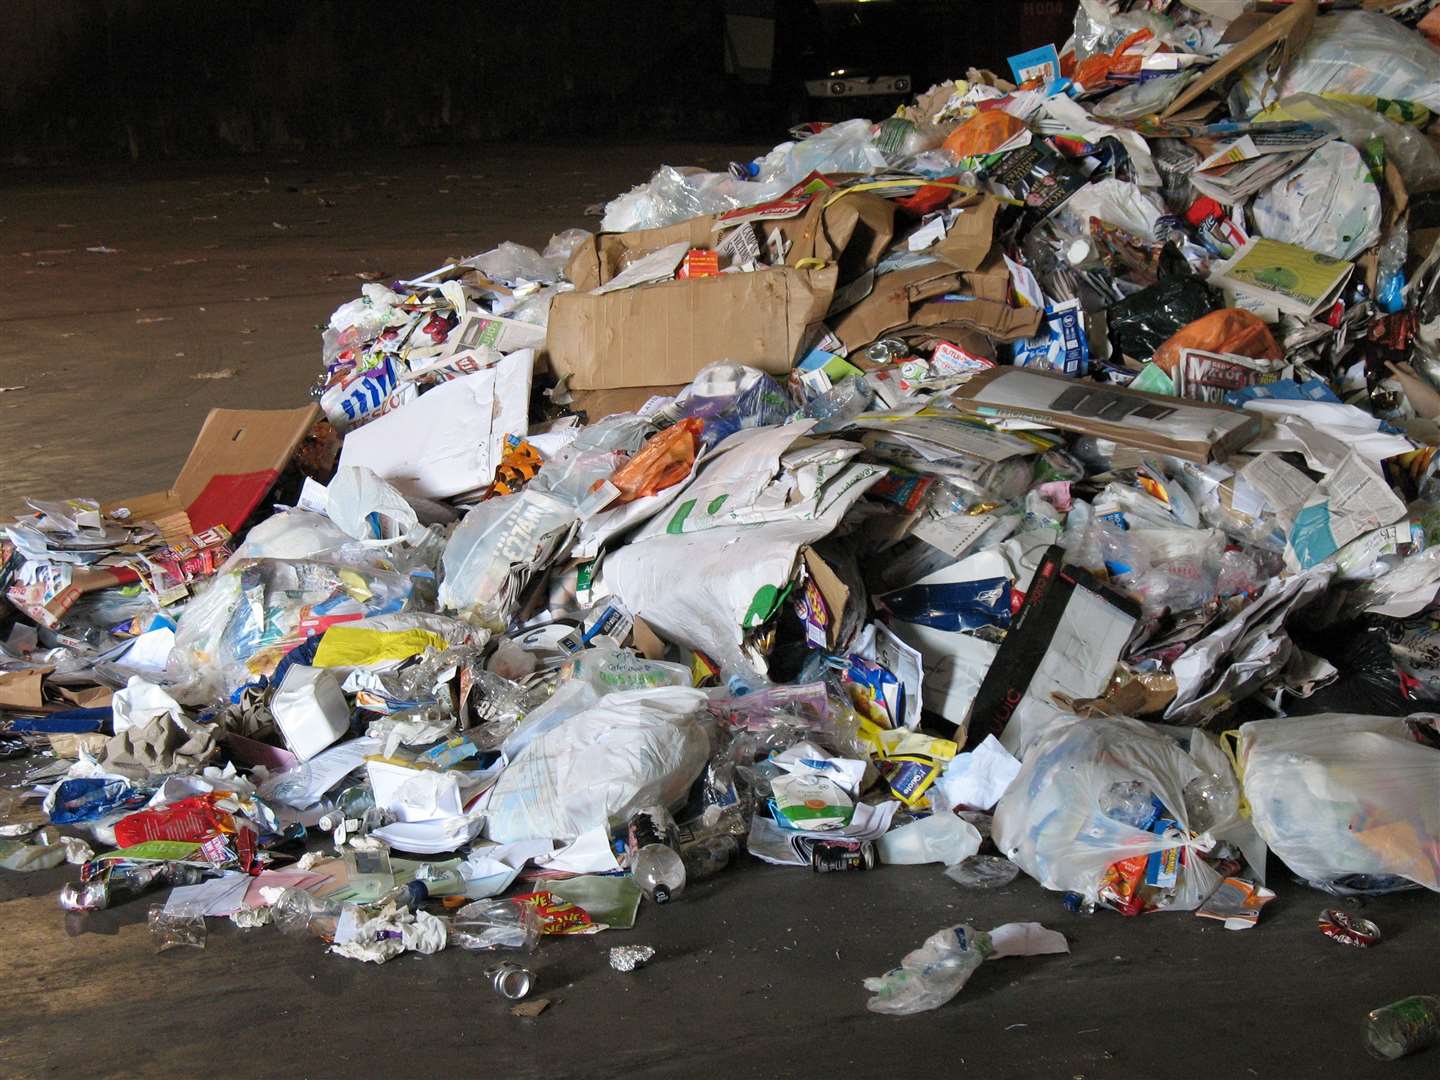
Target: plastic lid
<point>1078,252</point>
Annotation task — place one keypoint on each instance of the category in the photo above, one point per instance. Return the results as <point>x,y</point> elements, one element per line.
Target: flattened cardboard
<point>1194,430</point>
<point>236,459</point>
<point>1287,31</point>
<point>907,299</point>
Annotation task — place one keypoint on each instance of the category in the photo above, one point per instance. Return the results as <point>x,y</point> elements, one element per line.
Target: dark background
<point>158,79</point>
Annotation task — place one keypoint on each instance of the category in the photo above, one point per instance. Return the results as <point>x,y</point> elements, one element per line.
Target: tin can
<point>510,981</point>
<point>827,856</point>
<point>1348,930</point>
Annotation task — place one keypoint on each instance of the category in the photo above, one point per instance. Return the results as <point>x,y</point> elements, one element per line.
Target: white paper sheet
<point>978,778</point>
<point>449,439</point>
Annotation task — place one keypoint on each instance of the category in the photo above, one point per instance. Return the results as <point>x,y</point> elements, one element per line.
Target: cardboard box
<point>664,333</point>
<point>236,459</point>
<point>598,404</point>
<point>1193,430</point>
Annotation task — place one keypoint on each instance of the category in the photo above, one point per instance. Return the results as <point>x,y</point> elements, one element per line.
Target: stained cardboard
<point>235,461</point>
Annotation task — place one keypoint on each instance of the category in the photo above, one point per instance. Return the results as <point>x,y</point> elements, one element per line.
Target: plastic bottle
<point>707,857</point>
<point>839,405</point>
<point>942,838</point>
<point>1130,802</point>
<point>297,913</point>
<point>408,896</point>
<point>495,924</point>
<point>117,886</point>
<point>1403,1027</point>
<point>931,975</point>
<point>655,861</point>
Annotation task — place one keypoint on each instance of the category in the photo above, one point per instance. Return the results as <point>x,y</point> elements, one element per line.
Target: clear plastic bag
<point>675,194</point>
<point>1337,795</point>
<point>1406,145</point>
<point>1117,811</point>
<point>180,927</point>
<point>843,147</point>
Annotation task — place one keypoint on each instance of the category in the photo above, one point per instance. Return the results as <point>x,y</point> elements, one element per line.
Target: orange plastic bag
<point>661,463</point>
<point>1229,330</point>
<point>983,133</point>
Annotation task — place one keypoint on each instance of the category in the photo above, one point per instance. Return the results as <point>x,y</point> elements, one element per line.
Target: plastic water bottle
<point>1404,1027</point>
<point>655,861</point>
<point>837,406</point>
<point>297,913</point>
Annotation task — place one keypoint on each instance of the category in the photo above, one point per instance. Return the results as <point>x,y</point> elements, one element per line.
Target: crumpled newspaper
<point>630,957</point>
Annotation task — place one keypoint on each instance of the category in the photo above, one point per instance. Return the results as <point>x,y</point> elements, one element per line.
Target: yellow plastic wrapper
<point>358,646</point>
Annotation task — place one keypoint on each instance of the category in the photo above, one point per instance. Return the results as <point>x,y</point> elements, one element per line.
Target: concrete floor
<point>232,267</point>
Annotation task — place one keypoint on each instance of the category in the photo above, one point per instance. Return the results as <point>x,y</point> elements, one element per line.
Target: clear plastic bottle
<point>839,405</point>
<point>297,913</point>
<point>1130,802</point>
<point>1403,1027</point>
<point>655,861</point>
<point>495,924</point>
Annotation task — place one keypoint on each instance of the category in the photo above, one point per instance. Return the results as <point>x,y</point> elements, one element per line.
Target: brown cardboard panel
<point>665,333</point>
<point>234,462</point>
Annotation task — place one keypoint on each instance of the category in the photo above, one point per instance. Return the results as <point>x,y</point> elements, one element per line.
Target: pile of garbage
<point>1042,479</point>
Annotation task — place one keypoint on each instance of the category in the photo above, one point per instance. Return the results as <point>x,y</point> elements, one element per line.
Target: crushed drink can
<point>1348,930</point>
<point>828,856</point>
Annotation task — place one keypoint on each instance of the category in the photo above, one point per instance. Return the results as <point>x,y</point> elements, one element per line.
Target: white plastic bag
<point>634,749</point>
<point>1327,203</point>
<point>367,506</point>
<point>1338,794</point>
<point>1061,819</point>
<point>1352,52</point>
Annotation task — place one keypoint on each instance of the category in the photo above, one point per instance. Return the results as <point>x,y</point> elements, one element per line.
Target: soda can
<point>827,856</point>
<point>1348,930</point>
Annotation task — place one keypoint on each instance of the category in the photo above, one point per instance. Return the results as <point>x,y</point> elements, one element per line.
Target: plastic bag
<point>500,544</point>
<point>597,767</point>
<point>1353,52</point>
<point>1338,795</point>
<point>515,264</point>
<point>1229,330</point>
<point>367,506</point>
<point>839,148</point>
<point>730,398</point>
<point>673,195</point>
<point>983,133</point>
<point>254,612</point>
<point>1327,203</point>
<point>1140,324</point>
<point>1406,145</point>
<point>664,461</point>
<point>1115,810</point>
